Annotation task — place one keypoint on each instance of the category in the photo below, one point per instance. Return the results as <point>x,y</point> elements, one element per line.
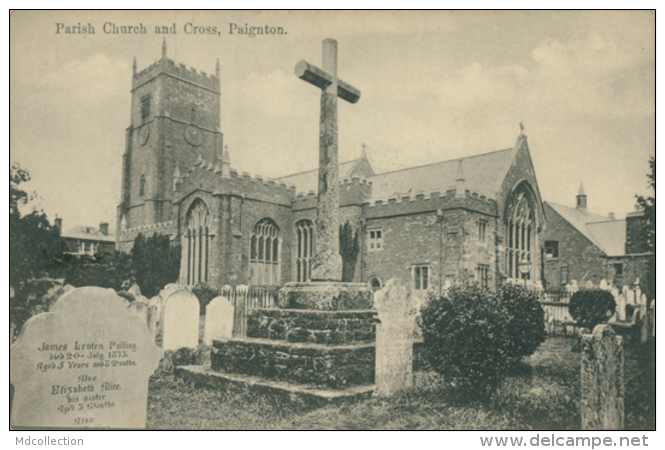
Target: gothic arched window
<point>264,260</point>
<point>520,231</point>
<point>304,251</point>
<point>196,242</point>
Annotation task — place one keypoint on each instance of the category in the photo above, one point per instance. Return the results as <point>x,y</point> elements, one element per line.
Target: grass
<point>542,395</point>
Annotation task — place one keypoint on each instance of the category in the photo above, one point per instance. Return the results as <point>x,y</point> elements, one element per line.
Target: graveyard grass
<point>542,395</point>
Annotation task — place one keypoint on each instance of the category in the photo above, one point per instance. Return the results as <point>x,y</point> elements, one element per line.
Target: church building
<point>479,217</point>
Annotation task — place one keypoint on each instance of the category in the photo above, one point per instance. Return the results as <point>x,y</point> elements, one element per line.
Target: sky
<point>435,86</point>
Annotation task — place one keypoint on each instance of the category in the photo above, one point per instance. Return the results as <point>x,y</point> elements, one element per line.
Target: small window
<point>483,273</point>
<point>564,274</point>
<point>421,278</point>
<point>142,185</point>
<point>551,249</point>
<point>482,231</point>
<point>375,241</point>
<point>145,107</point>
<point>618,269</point>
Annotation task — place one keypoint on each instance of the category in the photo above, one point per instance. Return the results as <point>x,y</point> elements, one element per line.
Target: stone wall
<point>320,327</point>
<point>585,261</point>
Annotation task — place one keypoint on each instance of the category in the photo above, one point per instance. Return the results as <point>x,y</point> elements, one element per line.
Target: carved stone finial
<point>164,48</point>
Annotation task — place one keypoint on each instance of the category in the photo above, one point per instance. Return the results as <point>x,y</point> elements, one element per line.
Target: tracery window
<point>264,260</point>
<point>520,232</point>
<point>304,250</point>
<point>196,242</point>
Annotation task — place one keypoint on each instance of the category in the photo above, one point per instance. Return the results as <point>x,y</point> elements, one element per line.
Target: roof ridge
<point>445,161</point>
<point>313,170</point>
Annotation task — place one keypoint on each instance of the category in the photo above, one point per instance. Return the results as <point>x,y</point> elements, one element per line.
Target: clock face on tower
<point>144,134</point>
<point>193,135</point>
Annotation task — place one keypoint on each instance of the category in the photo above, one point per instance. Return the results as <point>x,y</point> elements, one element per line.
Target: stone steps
<point>307,393</point>
<point>329,367</point>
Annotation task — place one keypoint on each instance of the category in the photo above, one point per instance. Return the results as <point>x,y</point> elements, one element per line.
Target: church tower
<point>174,122</point>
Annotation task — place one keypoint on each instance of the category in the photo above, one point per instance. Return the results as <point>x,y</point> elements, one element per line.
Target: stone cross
<point>327,263</point>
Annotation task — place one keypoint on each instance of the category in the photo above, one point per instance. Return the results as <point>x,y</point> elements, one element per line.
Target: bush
<point>108,270</point>
<point>591,306</point>
<point>526,326</point>
<point>464,338</point>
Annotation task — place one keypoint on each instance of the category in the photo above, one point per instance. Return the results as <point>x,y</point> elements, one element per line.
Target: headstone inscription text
<point>85,364</point>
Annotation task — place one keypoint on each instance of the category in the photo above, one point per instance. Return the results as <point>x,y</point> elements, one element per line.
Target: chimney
<point>58,223</point>
<point>104,228</point>
<point>581,199</point>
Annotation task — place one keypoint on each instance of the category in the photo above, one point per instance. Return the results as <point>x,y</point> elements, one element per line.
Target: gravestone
<point>181,320</point>
<point>394,338</point>
<point>85,364</point>
<point>155,309</point>
<point>139,308</point>
<point>602,380</point>
<point>219,320</point>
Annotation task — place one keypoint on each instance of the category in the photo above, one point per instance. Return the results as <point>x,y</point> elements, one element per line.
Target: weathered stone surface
<point>394,338</point>
<point>602,380</point>
<point>181,320</point>
<point>219,320</point>
<point>85,364</point>
<point>140,309</point>
<point>310,395</point>
<point>328,296</point>
<point>320,327</point>
<point>332,367</point>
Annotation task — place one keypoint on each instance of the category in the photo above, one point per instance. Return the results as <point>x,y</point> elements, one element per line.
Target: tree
<point>35,250</point>
<point>649,206</point>
<point>156,263</point>
<point>349,249</point>
<point>108,270</point>
<point>35,246</point>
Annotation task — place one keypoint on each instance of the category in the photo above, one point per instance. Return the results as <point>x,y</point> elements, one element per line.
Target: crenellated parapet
<point>354,191</point>
<point>180,71</point>
<point>421,202</point>
<point>167,228</point>
<point>211,178</point>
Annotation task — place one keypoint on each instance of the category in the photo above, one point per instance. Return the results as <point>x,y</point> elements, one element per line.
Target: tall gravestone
<point>602,380</point>
<point>181,320</point>
<point>394,338</point>
<point>219,320</point>
<point>85,364</point>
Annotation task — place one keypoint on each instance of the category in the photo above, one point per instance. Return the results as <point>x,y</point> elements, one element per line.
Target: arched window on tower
<point>196,243</point>
<point>304,250</point>
<point>264,256</point>
<point>520,232</point>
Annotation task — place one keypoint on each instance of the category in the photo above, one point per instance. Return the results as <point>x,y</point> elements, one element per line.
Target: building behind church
<point>476,217</point>
<point>587,247</point>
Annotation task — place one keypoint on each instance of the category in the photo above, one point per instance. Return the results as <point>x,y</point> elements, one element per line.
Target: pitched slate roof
<point>89,233</point>
<point>607,234</point>
<point>482,174</point>
<point>309,180</point>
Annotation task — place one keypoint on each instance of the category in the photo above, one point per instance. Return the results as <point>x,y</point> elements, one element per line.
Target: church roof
<point>482,174</point>
<point>607,234</point>
<point>309,180</point>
